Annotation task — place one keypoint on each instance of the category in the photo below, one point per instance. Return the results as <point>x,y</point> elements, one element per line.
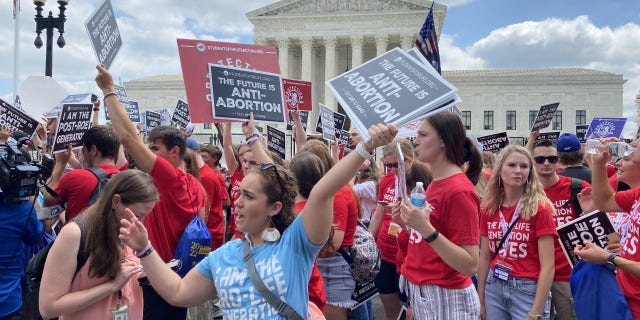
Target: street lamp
<point>49,23</point>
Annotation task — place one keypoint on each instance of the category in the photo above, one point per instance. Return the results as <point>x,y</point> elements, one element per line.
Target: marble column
<point>356,50</point>
<point>283,56</point>
<point>306,67</point>
<point>407,41</point>
<point>329,70</point>
<point>382,41</point>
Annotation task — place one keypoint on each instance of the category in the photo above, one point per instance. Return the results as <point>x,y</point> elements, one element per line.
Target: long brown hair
<point>102,224</point>
<point>285,193</point>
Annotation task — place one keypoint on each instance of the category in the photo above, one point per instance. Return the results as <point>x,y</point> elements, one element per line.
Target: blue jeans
<point>512,299</point>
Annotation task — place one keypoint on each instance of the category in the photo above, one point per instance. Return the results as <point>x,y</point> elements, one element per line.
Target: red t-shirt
<point>215,222</point>
<point>316,283</point>
<point>522,249</point>
<point>345,214</point>
<point>629,201</point>
<point>76,187</point>
<point>455,210</point>
<point>181,197</point>
<point>559,194</point>
<point>236,178</point>
<point>387,244</point>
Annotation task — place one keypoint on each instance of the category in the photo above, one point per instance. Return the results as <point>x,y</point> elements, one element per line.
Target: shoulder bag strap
<point>281,307</point>
<point>504,238</point>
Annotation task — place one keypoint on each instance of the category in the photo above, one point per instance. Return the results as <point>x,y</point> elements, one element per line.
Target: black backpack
<point>36,267</point>
<point>576,187</point>
<point>103,179</point>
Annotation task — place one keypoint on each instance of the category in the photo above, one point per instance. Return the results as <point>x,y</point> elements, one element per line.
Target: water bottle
<point>418,198</point>
<point>616,148</point>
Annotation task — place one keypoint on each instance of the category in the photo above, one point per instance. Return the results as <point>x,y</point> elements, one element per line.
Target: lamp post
<point>49,23</point>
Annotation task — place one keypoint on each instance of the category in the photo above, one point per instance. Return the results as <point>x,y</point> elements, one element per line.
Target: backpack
<point>193,246</point>
<point>363,256</point>
<point>596,293</point>
<point>576,187</point>
<point>103,178</point>
<point>36,267</point>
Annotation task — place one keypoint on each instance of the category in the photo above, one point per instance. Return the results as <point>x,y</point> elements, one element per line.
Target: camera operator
<point>18,224</point>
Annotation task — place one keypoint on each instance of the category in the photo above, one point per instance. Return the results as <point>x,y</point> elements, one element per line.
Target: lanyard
<point>625,228</point>
<point>505,228</point>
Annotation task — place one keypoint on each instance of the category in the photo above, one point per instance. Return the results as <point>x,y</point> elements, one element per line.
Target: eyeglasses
<point>541,159</point>
<point>267,166</point>
<point>391,164</point>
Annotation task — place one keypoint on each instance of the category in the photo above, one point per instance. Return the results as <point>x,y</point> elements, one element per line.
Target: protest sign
<point>181,114</point>
<point>39,94</point>
<point>15,119</point>
<point>104,34</point>
<point>410,130</point>
<point>74,121</point>
<point>82,98</point>
<point>326,124</point>
<point>544,116</point>
<point>338,120</point>
<point>593,227</point>
<point>16,102</point>
<point>165,116</point>
<point>237,92</point>
<point>297,94</point>
<point>276,141</point>
<point>363,292</point>
<point>605,128</point>
<point>195,57</point>
<point>581,131</point>
<point>152,120</point>
<point>344,138</point>
<point>304,117</point>
<point>402,175</point>
<point>391,88</point>
<point>121,92</point>
<point>133,110</point>
<point>494,142</point>
<point>553,136</point>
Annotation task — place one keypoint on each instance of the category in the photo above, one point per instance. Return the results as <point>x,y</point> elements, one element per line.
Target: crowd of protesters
<point>484,247</point>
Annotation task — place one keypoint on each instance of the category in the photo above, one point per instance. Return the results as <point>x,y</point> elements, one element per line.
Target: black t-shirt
<point>580,172</point>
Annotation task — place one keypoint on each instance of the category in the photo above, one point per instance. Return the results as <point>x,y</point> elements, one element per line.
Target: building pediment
<point>315,7</point>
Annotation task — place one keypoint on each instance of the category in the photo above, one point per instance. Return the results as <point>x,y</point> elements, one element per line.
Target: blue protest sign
<point>606,127</point>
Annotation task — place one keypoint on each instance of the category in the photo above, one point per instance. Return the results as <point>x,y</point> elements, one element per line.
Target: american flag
<point>16,8</point>
<point>427,42</point>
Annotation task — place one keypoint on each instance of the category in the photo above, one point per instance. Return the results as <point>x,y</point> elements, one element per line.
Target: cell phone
<point>174,264</point>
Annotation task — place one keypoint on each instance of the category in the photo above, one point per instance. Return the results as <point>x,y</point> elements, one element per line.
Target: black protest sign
<point>74,121</point>
<point>344,137</point>
<point>237,92</point>
<point>121,92</point>
<point>338,121</point>
<point>181,114</point>
<point>581,132</point>
<point>545,116</point>
<point>15,119</point>
<point>276,141</point>
<point>391,88</point>
<point>104,34</point>
<point>152,120</point>
<point>82,98</point>
<point>593,227</point>
<point>133,110</point>
<point>304,117</point>
<point>364,291</point>
<point>325,124</point>
<point>494,142</point>
<point>553,136</point>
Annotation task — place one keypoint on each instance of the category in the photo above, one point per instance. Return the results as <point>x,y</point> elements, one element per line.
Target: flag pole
<point>16,48</point>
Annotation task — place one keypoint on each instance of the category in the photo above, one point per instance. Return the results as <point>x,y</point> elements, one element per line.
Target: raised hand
<point>133,232</point>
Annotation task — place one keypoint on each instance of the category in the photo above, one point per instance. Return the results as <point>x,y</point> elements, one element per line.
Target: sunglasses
<point>267,166</point>
<point>541,159</point>
<point>391,164</point>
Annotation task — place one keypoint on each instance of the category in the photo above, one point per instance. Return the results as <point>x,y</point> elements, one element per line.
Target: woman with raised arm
<point>273,236</point>
<point>517,261</point>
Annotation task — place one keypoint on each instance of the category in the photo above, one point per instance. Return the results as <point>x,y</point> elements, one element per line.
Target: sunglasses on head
<point>267,166</point>
<point>391,164</point>
<point>541,159</point>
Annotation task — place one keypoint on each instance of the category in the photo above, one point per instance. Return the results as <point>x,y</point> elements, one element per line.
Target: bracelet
<point>432,237</point>
<point>363,153</point>
<point>253,138</point>
<point>147,251</point>
<point>96,109</point>
<point>109,94</point>
<point>534,316</point>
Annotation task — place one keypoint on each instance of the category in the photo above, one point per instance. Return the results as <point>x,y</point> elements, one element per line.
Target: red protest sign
<point>297,94</point>
<point>195,56</point>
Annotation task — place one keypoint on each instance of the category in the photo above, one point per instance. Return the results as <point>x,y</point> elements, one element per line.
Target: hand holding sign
<point>591,253</point>
<point>249,127</point>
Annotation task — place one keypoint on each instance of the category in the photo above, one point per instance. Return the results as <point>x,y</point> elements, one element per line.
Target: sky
<point>477,34</point>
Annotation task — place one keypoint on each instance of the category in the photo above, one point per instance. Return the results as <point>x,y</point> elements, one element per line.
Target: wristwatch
<point>610,262</point>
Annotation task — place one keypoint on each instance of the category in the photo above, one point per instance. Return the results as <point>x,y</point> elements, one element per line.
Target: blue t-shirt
<point>18,224</point>
<point>284,267</point>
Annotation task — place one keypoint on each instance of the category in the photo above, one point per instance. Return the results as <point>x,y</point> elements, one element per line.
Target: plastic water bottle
<point>418,198</point>
<point>616,148</point>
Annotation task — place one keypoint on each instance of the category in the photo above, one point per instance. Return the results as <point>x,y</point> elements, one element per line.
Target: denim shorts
<point>338,281</point>
<point>511,299</point>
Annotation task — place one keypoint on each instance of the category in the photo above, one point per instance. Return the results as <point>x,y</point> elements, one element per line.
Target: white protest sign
<point>39,94</point>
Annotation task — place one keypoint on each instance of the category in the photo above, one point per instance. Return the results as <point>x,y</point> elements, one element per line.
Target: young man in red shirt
<point>181,196</point>
<point>558,190</point>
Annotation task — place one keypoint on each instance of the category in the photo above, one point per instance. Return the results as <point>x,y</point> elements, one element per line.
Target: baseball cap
<point>568,142</point>
<point>193,144</point>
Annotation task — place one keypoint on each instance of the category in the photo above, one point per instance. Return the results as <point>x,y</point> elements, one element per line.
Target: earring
<point>270,234</point>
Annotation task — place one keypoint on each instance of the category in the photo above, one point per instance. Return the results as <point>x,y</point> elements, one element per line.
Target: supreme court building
<point>318,40</point>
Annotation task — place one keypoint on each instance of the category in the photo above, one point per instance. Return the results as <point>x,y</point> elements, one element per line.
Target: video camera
<point>18,178</point>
